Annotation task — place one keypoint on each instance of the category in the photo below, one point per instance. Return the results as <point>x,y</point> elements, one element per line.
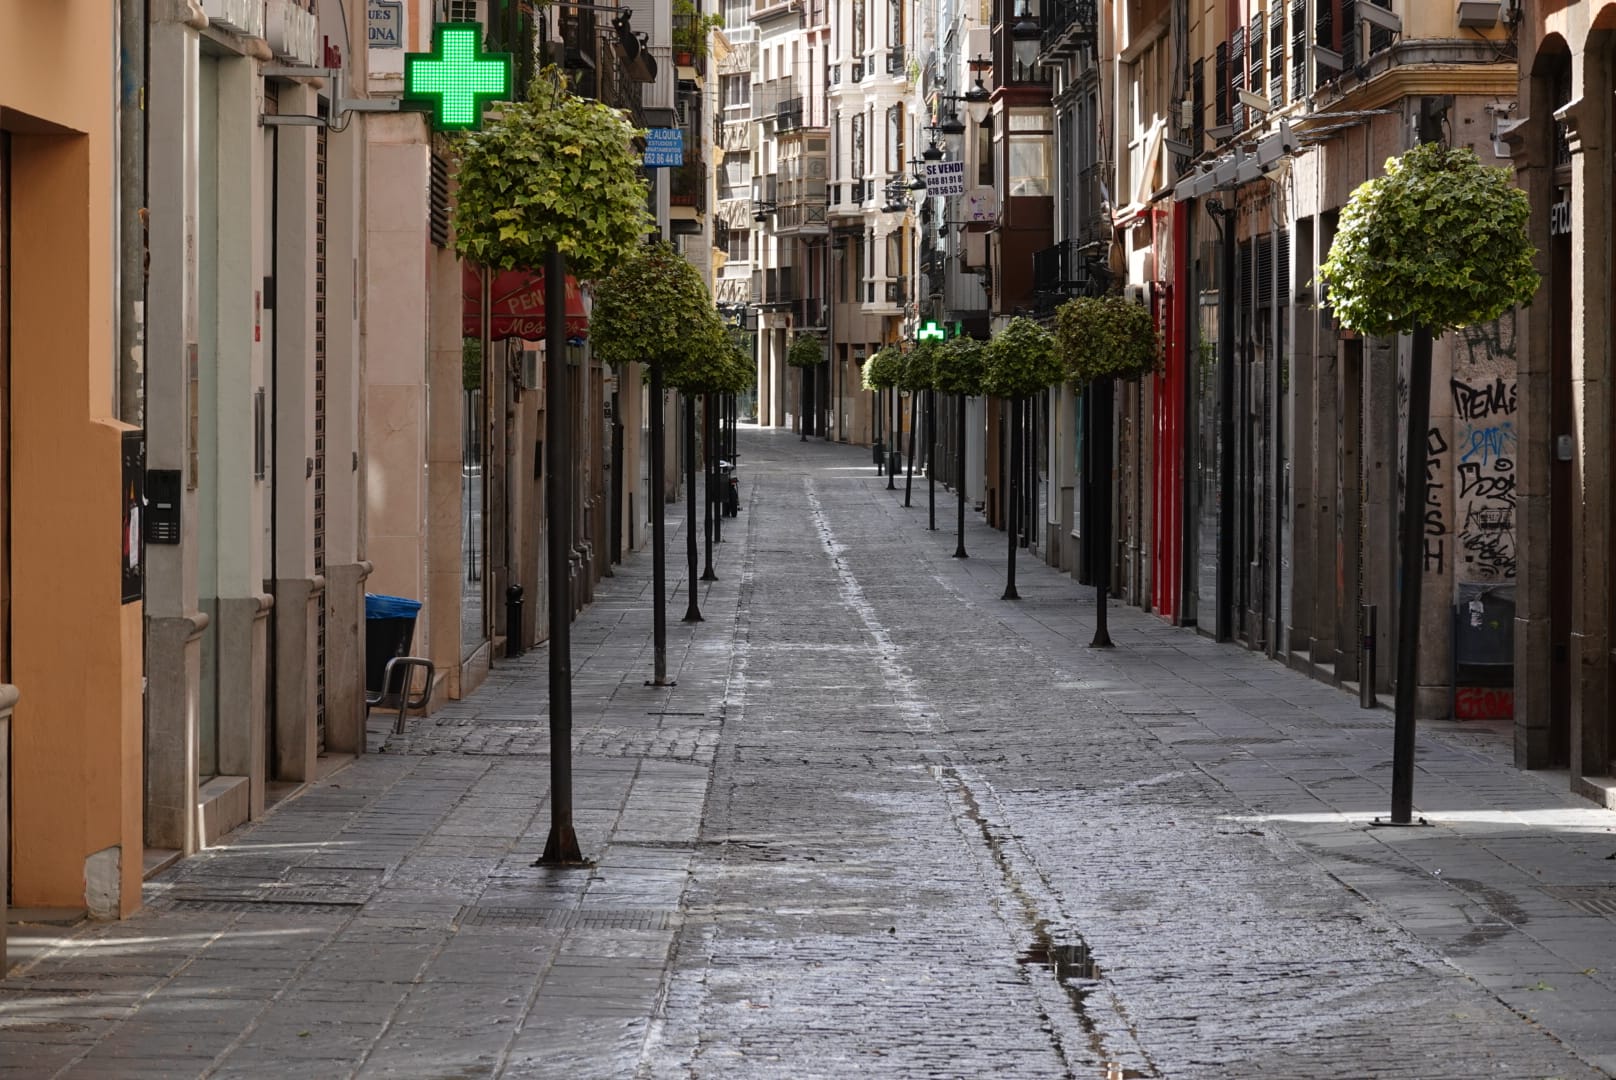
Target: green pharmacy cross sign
<point>456,78</point>
<point>931,330</point>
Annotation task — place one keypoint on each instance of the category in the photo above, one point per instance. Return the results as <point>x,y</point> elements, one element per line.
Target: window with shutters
<point>1237,78</point>
<point>1380,39</point>
<point>1197,104</point>
<point>1254,80</point>
<point>1221,74</point>
<point>1298,50</point>
<point>1276,57</point>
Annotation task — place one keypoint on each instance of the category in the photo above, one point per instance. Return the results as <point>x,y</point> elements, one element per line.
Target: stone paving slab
<point>887,824</point>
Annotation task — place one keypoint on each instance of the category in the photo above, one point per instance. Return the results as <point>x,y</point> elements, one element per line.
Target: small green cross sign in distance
<point>930,330</point>
<point>456,78</point>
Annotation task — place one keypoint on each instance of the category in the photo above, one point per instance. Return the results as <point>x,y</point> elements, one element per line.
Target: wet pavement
<point>886,824</point>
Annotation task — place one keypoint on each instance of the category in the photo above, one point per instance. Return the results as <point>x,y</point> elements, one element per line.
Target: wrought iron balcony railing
<point>1069,24</point>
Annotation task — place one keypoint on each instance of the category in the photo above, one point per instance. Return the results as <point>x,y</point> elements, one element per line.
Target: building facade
<point>70,586</point>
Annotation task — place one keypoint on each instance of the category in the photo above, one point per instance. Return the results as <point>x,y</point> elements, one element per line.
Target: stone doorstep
<point>222,804</point>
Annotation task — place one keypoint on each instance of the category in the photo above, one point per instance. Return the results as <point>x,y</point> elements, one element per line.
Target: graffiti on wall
<point>1436,525</point>
<point>1484,468</point>
<point>1486,399</point>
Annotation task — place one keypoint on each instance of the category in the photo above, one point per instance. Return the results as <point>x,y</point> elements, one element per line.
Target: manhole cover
<point>1593,899</point>
<point>538,918</point>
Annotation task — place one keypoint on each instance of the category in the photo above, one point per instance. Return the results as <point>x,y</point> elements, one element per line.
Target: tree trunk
<point>709,475</point>
<point>1413,575</point>
<point>1012,508</point>
<point>931,465</point>
<point>692,612</point>
<point>1100,456</point>
<point>959,482</point>
<point>659,552</point>
<point>909,471</point>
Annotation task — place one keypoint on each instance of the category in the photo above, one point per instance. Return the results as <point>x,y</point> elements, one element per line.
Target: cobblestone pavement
<point>886,824</point>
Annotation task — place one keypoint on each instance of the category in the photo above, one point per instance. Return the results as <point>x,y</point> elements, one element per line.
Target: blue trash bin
<point>389,629</point>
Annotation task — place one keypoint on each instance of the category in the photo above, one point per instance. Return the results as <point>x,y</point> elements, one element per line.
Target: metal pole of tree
<point>659,550</point>
<point>802,421</point>
<point>1011,506</point>
<point>959,484</point>
<point>931,465</point>
<point>561,848</point>
<point>717,443</point>
<point>692,612</point>
<point>914,425</point>
<point>709,477</point>
<point>1100,425</point>
<point>1413,574</point>
<point>893,411</point>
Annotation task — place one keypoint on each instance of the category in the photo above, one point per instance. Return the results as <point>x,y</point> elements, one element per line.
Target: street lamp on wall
<point>1026,25</point>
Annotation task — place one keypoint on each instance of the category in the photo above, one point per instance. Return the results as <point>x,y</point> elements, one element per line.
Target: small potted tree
<point>1437,242</point>
<point>1021,360</point>
<point>1102,339</point>
<point>959,372</point>
<point>690,31</point>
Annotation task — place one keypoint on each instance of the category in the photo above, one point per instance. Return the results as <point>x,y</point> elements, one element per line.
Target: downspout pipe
<point>132,66</point>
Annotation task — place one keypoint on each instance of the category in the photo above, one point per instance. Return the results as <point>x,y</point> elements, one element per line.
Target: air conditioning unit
<point>245,17</point>
<point>292,33</point>
<point>1479,13</point>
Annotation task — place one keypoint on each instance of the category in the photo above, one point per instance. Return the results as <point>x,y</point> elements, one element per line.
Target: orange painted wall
<point>76,650</point>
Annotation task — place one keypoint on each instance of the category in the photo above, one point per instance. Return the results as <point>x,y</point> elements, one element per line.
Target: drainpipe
<point>132,17</point>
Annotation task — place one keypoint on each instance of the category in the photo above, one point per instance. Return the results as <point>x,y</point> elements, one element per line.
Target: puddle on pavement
<point>1067,959</point>
<point>1076,973</point>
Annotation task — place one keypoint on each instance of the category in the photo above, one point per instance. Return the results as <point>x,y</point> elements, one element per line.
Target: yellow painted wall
<point>76,743</point>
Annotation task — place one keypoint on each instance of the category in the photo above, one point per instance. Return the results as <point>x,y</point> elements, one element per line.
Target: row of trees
<point>1095,340</point>
<point>555,182</point>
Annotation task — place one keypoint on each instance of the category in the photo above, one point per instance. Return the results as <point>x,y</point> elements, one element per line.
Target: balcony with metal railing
<point>775,287</point>
<point>767,97</point>
<point>1065,270</point>
<point>804,216</point>
<point>1068,26</point>
<point>788,114</point>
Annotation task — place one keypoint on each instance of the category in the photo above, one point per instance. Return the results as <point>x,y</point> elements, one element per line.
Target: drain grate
<point>539,918</point>
<point>279,905</point>
<point>1593,899</point>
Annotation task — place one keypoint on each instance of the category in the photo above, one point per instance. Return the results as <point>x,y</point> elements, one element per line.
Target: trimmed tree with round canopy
<point>1437,242</point>
<point>958,371</point>
<point>644,312</point>
<point>1021,360</point>
<point>881,374</point>
<point>919,376</point>
<point>806,353</point>
<point>553,180</point>
<point>1102,339</point>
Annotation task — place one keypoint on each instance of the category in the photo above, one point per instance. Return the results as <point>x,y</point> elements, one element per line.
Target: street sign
<point>456,78</point>
<point>386,27</point>
<point>664,147</point>
<point>945,178</point>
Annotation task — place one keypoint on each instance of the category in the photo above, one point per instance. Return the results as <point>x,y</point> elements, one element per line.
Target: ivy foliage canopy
<point>882,371</point>
<point>920,365</point>
<point>806,351</point>
<point>1021,360</point>
<point>959,366</point>
<point>653,308</point>
<point>1438,241</point>
<point>1101,336</point>
<point>556,171</point>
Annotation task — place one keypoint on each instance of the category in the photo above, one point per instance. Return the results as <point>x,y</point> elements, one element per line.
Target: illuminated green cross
<point>454,79</point>
<point>930,330</point>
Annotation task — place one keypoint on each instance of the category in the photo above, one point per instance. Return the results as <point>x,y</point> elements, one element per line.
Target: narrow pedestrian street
<point>885,824</point>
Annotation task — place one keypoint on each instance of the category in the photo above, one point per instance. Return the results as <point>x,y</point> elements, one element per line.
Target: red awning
<point>517,303</point>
